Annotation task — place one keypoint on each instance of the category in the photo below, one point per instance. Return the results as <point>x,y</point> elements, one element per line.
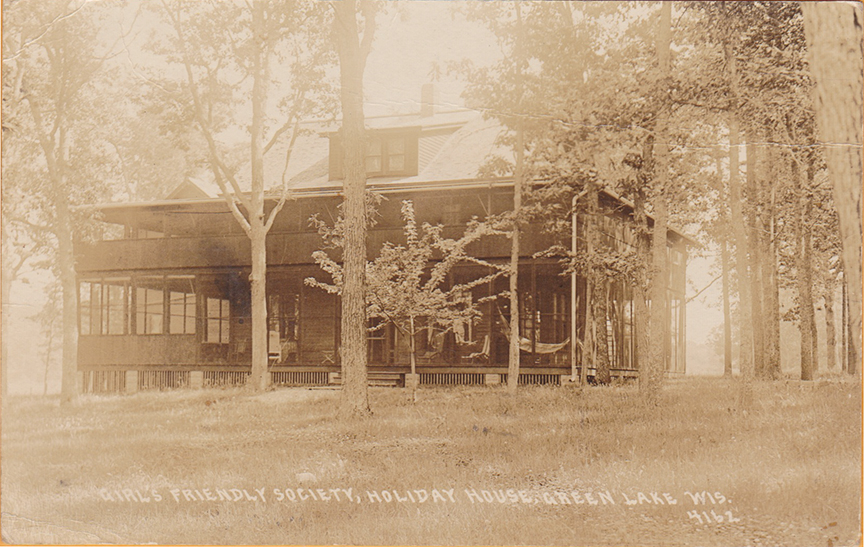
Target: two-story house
<point>166,301</point>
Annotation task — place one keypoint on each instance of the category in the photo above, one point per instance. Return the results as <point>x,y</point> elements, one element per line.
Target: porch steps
<point>376,379</point>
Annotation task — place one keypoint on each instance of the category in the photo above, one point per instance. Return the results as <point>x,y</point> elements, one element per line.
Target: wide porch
<point>193,328</point>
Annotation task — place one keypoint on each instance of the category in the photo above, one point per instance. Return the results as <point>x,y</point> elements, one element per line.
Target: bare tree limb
<point>703,289</point>
<point>218,167</point>
<point>368,9</point>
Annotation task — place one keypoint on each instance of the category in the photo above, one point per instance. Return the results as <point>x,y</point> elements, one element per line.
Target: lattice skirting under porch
<point>299,378</point>
<point>536,379</point>
<point>452,379</point>
<point>103,381</point>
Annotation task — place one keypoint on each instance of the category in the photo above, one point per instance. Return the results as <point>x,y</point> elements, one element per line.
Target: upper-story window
<point>385,156</point>
<point>388,154</point>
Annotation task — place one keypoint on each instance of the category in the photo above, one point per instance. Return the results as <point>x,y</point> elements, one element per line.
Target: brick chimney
<point>428,99</point>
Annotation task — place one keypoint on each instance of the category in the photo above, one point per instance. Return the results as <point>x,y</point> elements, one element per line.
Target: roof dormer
<point>390,152</point>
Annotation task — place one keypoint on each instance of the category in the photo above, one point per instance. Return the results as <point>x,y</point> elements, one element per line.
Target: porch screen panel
<point>88,310</point>
<point>181,304</point>
<point>218,321</point>
<point>378,342</point>
<point>473,337</point>
<point>528,317</point>
<point>104,306</point>
<point>116,303</point>
<point>149,305</point>
<point>283,318</point>
<point>551,315</point>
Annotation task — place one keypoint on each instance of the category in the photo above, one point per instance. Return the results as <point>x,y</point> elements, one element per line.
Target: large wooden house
<point>165,300</point>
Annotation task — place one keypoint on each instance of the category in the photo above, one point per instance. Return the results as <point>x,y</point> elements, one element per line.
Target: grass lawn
<point>463,465</point>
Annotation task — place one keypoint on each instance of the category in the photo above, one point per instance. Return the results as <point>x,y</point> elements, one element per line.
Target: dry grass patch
<point>789,467</point>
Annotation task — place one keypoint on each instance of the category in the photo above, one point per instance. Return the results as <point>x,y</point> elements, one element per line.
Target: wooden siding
<point>126,255</point>
<point>119,351</point>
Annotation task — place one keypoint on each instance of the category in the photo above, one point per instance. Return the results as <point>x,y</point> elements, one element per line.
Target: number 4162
<point>706,517</point>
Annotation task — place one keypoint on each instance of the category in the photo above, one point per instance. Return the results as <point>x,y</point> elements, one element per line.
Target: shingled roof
<point>452,145</point>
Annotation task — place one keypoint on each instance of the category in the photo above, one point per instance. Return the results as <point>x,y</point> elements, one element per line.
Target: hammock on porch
<point>541,347</point>
<point>532,347</point>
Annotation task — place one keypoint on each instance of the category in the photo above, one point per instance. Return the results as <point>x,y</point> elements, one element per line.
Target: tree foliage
<point>409,286</point>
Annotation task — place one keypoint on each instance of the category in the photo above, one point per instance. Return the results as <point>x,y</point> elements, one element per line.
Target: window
<point>104,306</point>
<point>385,156</point>
<point>149,305</point>
<point>395,154</point>
<point>451,213</point>
<point>181,304</point>
<point>218,321</point>
<point>374,163</point>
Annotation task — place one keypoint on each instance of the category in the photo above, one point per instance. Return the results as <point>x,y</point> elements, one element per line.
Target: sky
<point>411,36</point>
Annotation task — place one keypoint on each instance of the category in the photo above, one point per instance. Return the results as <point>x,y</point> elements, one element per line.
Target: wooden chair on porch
<point>433,350</point>
<point>479,356</point>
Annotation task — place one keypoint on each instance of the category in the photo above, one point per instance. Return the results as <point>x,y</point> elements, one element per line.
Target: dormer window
<point>385,156</point>
<point>374,156</point>
<point>390,153</point>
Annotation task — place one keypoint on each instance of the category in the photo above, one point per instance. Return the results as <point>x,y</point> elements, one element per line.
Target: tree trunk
<point>727,314</point>
<point>745,340</point>
<point>844,329</point>
<point>513,357</point>
<point>49,348</point>
<point>601,298</point>
<point>814,342</point>
<point>737,217</point>
<point>833,31</point>
<point>640,285</point>
<point>657,327</point>
<point>724,230</point>
<point>260,378</point>
<point>258,235</point>
<point>852,367</point>
<point>414,380</point>
<point>830,328</point>
<point>803,276</point>
<point>589,340</point>
<point>355,398</point>
<point>770,289</point>
<point>68,282</point>
<point>56,153</point>
<point>6,282</point>
<point>754,200</point>
<point>587,333</point>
